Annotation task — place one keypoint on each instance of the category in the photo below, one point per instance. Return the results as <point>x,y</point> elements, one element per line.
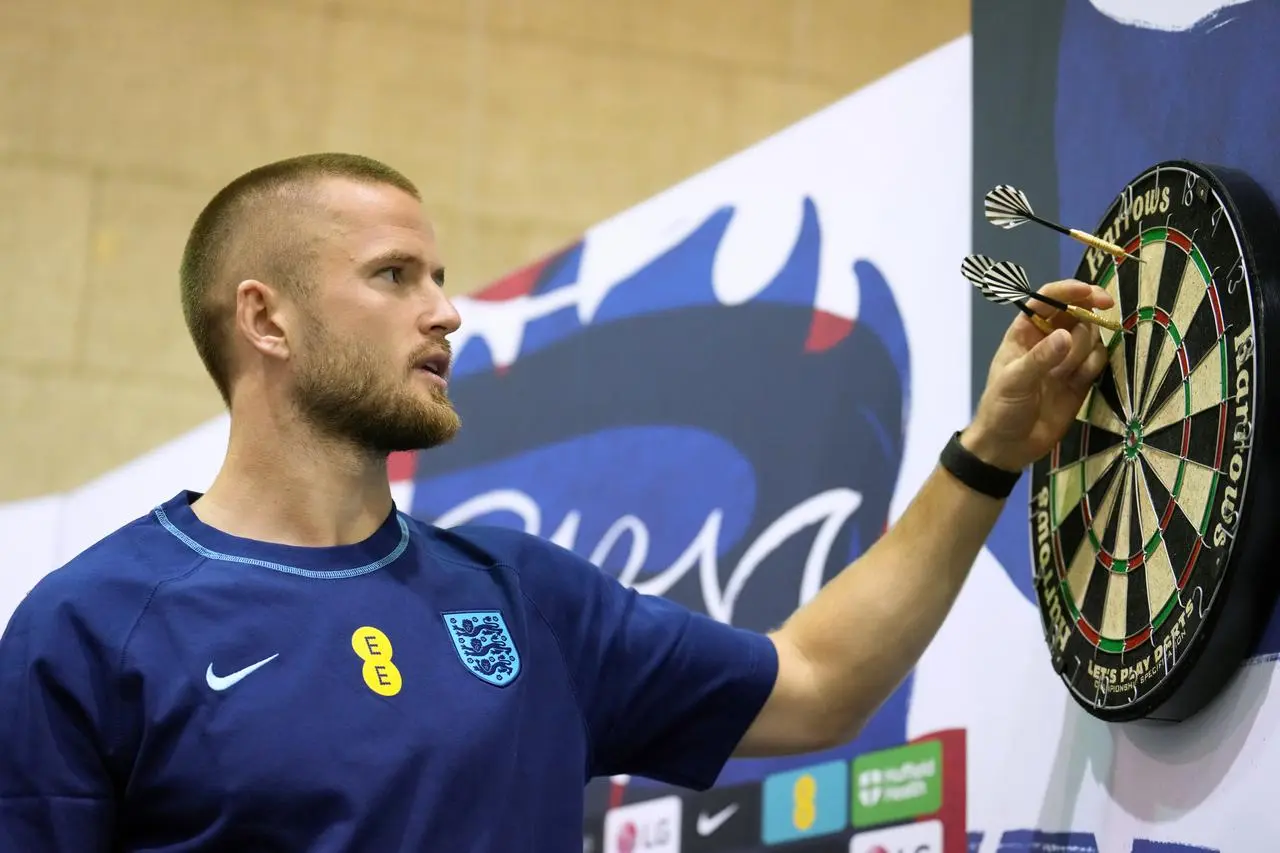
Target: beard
<point>346,394</point>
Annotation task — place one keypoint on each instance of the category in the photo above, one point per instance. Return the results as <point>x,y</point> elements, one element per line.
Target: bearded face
<point>356,392</point>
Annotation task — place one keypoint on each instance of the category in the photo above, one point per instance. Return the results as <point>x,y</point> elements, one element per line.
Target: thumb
<point>1025,372</point>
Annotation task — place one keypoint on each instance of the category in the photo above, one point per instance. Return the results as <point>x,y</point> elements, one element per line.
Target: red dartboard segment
<point>1137,639</point>
<point>1182,241</point>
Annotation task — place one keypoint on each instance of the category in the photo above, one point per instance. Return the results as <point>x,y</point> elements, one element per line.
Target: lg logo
<point>652,826</point>
<point>627,837</point>
<point>640,838</point>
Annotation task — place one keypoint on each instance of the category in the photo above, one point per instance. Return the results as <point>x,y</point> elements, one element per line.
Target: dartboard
<point>1151,581</point>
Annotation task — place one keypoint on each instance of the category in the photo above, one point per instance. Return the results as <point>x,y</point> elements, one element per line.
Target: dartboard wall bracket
<point>1153,522</point>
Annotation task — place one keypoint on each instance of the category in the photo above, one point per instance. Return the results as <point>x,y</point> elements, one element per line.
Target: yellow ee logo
<point>373,647</point>
<point>804,810</point>
<point>806,802</point>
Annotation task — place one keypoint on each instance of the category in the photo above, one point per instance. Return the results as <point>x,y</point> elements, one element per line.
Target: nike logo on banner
<point>222,682</point>
<point>708,824</point>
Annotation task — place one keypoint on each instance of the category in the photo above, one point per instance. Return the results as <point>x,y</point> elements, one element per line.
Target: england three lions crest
<point>485,646</point>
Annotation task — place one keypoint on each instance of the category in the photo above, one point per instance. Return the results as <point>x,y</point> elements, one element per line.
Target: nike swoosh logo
<point>222,682</point>
<point>708,824</point>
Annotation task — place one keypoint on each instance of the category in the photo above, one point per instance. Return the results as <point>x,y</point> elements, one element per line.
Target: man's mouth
<point>437,366</point>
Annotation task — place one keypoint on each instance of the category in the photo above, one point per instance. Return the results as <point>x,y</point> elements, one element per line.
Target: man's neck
<point>291,486</point>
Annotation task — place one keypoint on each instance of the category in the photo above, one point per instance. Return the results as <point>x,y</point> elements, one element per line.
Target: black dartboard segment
<point>1139,516</point>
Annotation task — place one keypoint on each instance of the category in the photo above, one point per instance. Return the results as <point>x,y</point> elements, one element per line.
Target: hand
<point>1037,383</point>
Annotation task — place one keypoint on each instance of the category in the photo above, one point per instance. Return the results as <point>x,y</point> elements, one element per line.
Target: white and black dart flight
<point>1008,207</point>
<point>974,267</point>
<point>1005,282</point>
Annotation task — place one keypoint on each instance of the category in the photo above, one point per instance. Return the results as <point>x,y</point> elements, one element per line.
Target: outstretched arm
<point>843,653</point>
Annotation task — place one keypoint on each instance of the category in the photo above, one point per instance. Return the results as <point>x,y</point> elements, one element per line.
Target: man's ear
<point>260,319</point>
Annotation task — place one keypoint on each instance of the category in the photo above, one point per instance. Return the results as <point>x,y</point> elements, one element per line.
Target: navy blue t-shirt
<point>176,688</point>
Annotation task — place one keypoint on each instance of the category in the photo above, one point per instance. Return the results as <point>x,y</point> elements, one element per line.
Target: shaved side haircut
<point>257,227</point>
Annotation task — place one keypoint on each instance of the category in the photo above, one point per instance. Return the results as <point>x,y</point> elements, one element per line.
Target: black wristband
<point>976,474</point>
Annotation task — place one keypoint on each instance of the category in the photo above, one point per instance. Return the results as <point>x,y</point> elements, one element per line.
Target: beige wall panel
<point>44,226</point>
<point>844,40</point>
<point>746,34</point>
<point>450,13</point>
<point>576,134</point>
<point>202,89</point>
<point>135,324</point>
<point>28,40</point>
<point>401,92</point>
<point>596,23</point>
<point>76,424</point>
<point>524,122</point>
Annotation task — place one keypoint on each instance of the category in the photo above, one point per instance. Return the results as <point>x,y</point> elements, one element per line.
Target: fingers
<point>1080,293</point>
<point>1093,365</point>
<point>1072,292</point>
<point>1044,325</point>
<point>1027,330</point>
<point>1084,340</point>
<point>1054,344</point>
<point>1024,373</point>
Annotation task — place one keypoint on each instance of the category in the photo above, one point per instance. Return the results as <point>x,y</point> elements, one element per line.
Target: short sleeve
<point>667,693</point>
<point>56,792</point>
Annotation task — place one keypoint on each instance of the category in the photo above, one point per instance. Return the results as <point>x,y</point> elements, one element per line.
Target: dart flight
<point>974,267</point>
<point>1008,207</point>
<point>1005,282</point>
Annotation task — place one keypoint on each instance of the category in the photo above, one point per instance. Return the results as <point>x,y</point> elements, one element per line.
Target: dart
<point>1006,282</point>
<point>1008,207</point>
<point>974,267</point>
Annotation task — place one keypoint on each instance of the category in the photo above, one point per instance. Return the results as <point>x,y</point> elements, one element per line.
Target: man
<point>285,662</point>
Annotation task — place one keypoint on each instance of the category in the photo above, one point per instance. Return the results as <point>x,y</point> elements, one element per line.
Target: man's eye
<point>393,274</point>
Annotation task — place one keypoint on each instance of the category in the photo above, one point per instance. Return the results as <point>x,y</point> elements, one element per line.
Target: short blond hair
<point>253,207</point>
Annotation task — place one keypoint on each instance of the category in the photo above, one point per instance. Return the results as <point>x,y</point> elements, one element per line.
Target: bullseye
<point>1132,440</point>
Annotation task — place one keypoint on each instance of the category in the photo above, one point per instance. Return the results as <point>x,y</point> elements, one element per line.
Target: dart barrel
<point>1092,317</point>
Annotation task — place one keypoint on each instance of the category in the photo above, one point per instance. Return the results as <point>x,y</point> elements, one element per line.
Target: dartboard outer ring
<point>1153,531</point>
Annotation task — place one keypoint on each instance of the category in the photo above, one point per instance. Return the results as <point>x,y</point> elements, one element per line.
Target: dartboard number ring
<point>1135,513</point>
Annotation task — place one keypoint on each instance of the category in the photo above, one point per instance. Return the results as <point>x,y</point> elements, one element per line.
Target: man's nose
<point>440,315</point>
